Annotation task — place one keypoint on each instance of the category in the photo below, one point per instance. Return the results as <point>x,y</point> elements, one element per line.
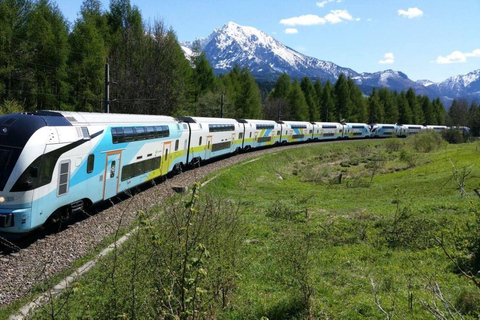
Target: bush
<point>426,141</point>
<point>393,144</point>
<point>454,136</point>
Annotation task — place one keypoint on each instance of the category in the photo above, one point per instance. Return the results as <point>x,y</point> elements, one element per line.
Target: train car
<point>57,163</point>
<point>260,133</point>
<point>327,130</point>
<point>412,129</point>
<point>381,130</point>
<point>439,129</point>
<point>296,131</point>
<point>356,130</point>
<point>212,137</point>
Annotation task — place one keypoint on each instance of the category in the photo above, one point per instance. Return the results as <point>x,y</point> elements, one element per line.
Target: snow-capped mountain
<point>267,58</point>
<point>462,86</point>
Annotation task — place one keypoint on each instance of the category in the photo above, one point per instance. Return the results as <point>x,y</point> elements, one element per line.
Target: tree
<point>48,32</point>
<point>14,79</point>
<point>439,111</point>
<point>317,86</point>
<point>310,97</point>
<point>87,57</point>
<point>359,107</point>
<point>298,104</point>
<point>474,119</point>
<point>389,102</point>
<point>327,108</point>
<point>204,78</point>
<point>342,99</point>
<point>428,110</point>
<point>458,113</point>
<point>417,112</point>
<point>404,110</point>
<point>375,108</point>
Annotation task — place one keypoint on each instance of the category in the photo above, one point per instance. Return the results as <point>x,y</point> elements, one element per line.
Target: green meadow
<point>379,229</point>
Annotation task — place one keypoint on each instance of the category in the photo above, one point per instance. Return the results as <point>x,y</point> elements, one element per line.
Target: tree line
<point>48,63</point>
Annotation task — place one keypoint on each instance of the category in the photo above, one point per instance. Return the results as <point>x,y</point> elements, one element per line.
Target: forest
<point>46,62</point>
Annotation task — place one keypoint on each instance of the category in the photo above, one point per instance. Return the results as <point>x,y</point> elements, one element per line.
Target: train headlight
<point>2,199</point>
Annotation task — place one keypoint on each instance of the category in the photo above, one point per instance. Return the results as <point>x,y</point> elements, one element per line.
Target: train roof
<point>207,120</point>
<point>90,118</point>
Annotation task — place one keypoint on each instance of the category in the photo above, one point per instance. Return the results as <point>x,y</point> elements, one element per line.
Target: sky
<point>425,39</point>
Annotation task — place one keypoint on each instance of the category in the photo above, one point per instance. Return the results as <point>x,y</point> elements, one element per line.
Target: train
<point>55,164</point>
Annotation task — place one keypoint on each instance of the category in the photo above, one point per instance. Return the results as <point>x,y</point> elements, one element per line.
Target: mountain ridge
<point>267,59</point>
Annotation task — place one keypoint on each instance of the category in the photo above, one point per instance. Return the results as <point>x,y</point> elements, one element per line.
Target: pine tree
<point>327,108</point>
<point>282,86</point>
<point>389,102</point>
<point>404,110</point>
<point>14,72</point>
<point>375,108</point>
<point>342,99</point>
<point>48,31</point>
<point>317,86</point>
<point>439,111</point>
<point>359,107</point>
<point>310,97</point>
<point>87,57</point>
<point>298,104</point>
<point>417,112</point>
<point>428,111</point>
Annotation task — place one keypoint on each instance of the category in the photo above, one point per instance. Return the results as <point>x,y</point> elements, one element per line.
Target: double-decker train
<point>55,163</point>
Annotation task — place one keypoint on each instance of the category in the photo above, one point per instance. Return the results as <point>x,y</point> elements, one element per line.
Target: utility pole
<point>107,88</point>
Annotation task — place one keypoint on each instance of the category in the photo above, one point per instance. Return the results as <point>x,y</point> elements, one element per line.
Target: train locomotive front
<point>30,147</point>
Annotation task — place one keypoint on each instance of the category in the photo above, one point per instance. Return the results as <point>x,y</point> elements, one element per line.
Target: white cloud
<point>457,57</point>
<point>291,31</point>
<point>410,13</point>
<point>388,58</point>
<point>305,20</point>
<point>323,3</point>
<point>335,16</point>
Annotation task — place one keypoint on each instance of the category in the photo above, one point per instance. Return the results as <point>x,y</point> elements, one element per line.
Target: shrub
<point>425,141</point>
<point>393,144</point>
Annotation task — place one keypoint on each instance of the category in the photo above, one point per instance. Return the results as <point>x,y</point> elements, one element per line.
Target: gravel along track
<point>54,253</point>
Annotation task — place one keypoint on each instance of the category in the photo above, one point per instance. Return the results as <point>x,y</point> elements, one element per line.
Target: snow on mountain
<point>263,55</point>
<point>267,58</point>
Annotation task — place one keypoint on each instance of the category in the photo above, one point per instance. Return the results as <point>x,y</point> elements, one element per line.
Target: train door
<point>208,149</point>
<point>165,164</point>
<point>111,174</point>
<point>233,144</point>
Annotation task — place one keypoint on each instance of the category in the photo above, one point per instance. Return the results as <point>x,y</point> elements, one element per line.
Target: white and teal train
<point>55,163</point>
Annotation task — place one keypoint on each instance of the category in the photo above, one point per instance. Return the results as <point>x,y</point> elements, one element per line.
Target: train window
<point>63,177</point>
<point>166,154</point>
<point>162,131</point>
<point>250,134</point>
<point>129,134</point>
<point>150,132</point>
<point>90,163</point>
<point>85,133</point>
<point>185,126</point>
<point>240,135</point>
<point>140,133</point>
<point>278,132</point>
<point>176,145</point>
<point>200,141</point>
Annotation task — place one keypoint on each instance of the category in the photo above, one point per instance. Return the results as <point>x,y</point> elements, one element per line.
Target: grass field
<point>356,230</point>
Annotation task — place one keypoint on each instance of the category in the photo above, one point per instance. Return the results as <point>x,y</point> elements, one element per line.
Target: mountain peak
<point>266,58</point>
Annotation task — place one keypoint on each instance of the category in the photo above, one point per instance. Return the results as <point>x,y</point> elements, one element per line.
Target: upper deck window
<point>129,134</point>
<point>221,127</point>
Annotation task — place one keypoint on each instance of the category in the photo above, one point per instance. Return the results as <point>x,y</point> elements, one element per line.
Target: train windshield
<point>8,157</point>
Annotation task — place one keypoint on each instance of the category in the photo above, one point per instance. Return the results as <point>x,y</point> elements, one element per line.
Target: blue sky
<point>426,39</point>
